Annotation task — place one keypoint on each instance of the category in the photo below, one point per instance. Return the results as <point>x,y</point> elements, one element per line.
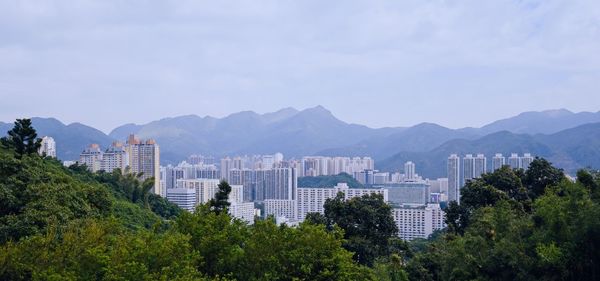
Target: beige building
<point>144,157</point>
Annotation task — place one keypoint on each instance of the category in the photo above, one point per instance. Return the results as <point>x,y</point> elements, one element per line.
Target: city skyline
<point>422,60</point>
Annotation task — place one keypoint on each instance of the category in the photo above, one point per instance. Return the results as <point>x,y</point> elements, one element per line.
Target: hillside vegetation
<point>329,181</point>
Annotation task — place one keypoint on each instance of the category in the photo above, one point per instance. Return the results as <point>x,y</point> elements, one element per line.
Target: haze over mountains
<point>570,140</point>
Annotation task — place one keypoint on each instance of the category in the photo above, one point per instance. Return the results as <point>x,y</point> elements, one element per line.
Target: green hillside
<point>329,181</point>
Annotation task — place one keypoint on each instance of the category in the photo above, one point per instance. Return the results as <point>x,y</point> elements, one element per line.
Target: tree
<point>505,179</point>
<point>316,218</point>
<point>220,203</point>
<point>367,222</point>
<point>457,218</point>
<point>541,174</point>
<point>22,139</point>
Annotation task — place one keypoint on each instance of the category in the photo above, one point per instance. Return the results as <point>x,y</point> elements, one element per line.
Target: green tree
<point>540,175</point>
<point>367,222</point>
<point>22,139</point>
<point>220,203</point>
<point>507,180</point>
<point>316,218</point>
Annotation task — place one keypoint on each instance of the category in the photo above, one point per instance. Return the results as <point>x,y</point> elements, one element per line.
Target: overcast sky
<point>378,63</point>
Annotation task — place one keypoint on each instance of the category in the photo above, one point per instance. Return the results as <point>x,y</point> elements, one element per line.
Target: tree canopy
<point>22,139</point>
<point>512,225</point>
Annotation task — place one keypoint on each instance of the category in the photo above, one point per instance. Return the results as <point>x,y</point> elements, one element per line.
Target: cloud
<point>380,63</point>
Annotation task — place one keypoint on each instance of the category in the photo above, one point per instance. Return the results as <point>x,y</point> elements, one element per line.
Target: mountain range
<point>570,140</point>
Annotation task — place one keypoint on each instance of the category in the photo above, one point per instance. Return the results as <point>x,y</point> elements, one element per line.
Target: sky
<point>378,63</point>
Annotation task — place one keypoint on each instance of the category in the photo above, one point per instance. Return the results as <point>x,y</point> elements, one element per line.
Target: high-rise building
<point>226,165</point>
<point>468,168</point>
<point>479,166</point>
<point>312,199</point>
<point>320,165</point>
<point>48,147</point>
<point>438,186</point>
<point>498,161</point>
<point>453,170</point>
<point>185,198</point>
<point>514,161</point>
<point>381,178</point>
<point>418,221</point>
<point>365,177</point>
<point>408,192</point>
<point>190,193</point>
<point>144,157</point>
<point>115,157</point>
<point>280,208</point>
<point>280,183</point>
<point>526,161</point>
<point>91,157</point>
<point>409,171</point>
<point>243,211</point>
<point>247,178</point>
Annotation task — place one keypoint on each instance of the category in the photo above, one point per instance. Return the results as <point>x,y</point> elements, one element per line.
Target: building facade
<point>48,147</point>
<point>454,178</point>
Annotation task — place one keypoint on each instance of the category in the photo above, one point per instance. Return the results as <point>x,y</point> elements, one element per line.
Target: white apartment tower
<point>514,161</point>
<point>280,183</point>
<point>468,168</point>
<point>418,221</point>
<point>526,160</point>
<point>48,147</point>
<point>498,161</point>
<point>409,171</point>
<point>91,157</point>
<point>115,157</point>
<point>312,199</point>
<point>454,178</point>
<point>479,166</point>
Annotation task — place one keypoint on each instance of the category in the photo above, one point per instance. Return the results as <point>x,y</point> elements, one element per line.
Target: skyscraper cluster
<point>474,166</point>
<point>313,166</point>
<point>136,156</point>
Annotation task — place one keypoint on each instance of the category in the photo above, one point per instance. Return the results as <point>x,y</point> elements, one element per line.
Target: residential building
<point>115,157</point>
<point>526,161</point>
<point>479,166</point>
<point>48,147</point>
<point>91,157</point>
<point>409,171</point>
<point>184,197</point>
<point>498,161</point>
<point>312,199</point>
<point>280,183</point>
<point>418,221</point>
<point>408,192</point>
<point>243,211</point>
<point>144,157</point>
<point>280,208</point>
<point>514,161</point>
<point>454,186</point>
<point>468,168</point>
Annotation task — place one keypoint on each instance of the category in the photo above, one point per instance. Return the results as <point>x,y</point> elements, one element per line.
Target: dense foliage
<point>329,181</point>
<point>518,225</point>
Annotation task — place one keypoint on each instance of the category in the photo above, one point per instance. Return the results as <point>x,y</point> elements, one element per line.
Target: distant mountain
<point>543,122</point>
<point>316,131</point>
<point>422,137</point>
<point>70,139</point>
<point>294,133</point>
<point>569,149</point>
